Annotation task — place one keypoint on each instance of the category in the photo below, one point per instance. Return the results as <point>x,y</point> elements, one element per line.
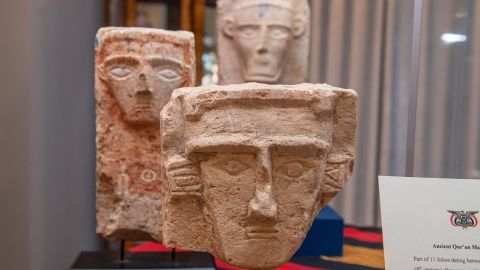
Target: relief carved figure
<point>136,71</point>
<point>247,167</point>
<point>263,41</point>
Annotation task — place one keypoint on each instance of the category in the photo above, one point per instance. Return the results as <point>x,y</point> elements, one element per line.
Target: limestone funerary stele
<point>247,167</point>
<point>136,70</point>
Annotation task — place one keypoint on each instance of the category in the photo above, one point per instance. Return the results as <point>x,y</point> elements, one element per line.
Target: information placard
<point>430,223</point>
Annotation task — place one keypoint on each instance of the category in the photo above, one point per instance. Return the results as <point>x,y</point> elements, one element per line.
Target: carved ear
<point>299,25</point>
<point>340,160</point>
<point>179,186</point>
<point>229,27</point>
<point>183,206</point>
<point>101,72</point>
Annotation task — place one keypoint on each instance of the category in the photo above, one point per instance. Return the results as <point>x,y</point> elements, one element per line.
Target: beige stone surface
<point>248,167</point>
<point>264,41</point>
<point>136,71</point>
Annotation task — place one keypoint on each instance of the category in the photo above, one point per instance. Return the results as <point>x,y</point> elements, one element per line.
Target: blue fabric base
<point>325,237</point>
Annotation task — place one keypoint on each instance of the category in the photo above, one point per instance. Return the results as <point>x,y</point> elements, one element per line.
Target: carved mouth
<point>262,232</point>
<point>143,107</point>
<point>264,62</point>
<point>262,72</point>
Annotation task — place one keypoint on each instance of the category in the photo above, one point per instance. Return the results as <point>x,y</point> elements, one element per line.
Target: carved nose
<point>262,50</point>
<point>263,206</point>
<point>262,209</point>
<point>142,87</point>
<point>143,93</point>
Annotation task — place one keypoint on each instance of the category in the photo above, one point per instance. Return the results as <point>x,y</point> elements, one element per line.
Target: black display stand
<point>92,260</point>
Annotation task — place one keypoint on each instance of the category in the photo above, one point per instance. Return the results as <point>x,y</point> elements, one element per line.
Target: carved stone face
<point>262,35</point>
<point>136,69</point>
<point>142,76</point>
<point>261,190</point>
<point>245,179</point>
<point>263,40</point>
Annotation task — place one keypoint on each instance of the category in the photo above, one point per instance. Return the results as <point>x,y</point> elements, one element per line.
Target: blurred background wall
<point>14,136</point>
<point>366,45</point>
<point>448,113</point>
<point>47,212</point>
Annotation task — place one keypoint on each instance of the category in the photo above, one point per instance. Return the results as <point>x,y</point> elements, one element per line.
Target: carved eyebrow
<point>249,24</point>
<point>279,25</point>
<point>269,24</point>
<point>165,60</point>
<point>300,141</point>
<point>243,143</point>
<point>121,58</point>
<point>239,143</point>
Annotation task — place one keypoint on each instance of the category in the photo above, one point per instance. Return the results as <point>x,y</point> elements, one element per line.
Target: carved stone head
<point>142,67</point>
<point>249,166</point>
<point>136,71</point>
<point>263,40</point>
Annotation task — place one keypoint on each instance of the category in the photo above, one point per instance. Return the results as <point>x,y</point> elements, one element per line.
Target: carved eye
<point>233,167</point>
<point>168,74</point>
<point>279,32</point>
<point>121,67</point>
<point>293,169</point>
<point>248,31</point>
<point>121,72</point>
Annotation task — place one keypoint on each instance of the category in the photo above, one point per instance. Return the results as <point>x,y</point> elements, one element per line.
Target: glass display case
<point>414,64</point>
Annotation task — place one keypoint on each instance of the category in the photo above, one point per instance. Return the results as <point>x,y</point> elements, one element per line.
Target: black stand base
<point>144,260</point>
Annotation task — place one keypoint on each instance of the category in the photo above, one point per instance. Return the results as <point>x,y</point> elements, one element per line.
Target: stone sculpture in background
<point>247,167</point>
<point>263,41</point>
<point>136,71</point>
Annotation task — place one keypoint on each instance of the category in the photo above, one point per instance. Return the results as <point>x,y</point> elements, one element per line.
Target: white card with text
<point>430,223</point>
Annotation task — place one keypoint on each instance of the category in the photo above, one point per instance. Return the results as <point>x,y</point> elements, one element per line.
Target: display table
<point>363,249</point>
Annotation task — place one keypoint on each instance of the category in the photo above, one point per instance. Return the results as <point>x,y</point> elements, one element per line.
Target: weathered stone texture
<point>247,167</point>
<point>263,41</point>
<point>136,71</point>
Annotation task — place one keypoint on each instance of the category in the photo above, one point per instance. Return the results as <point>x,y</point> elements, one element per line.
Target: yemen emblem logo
<point>463,219</point>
